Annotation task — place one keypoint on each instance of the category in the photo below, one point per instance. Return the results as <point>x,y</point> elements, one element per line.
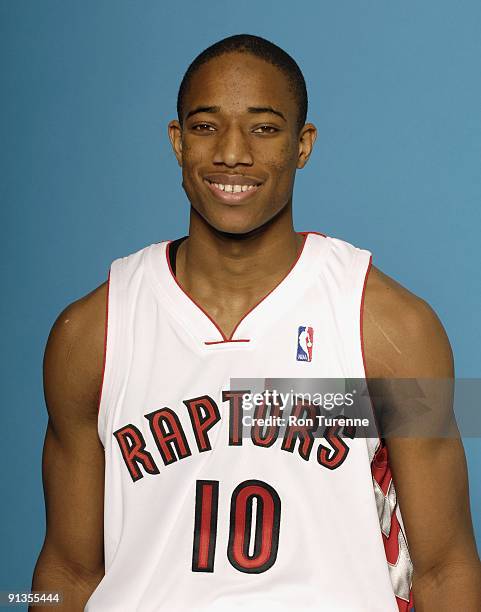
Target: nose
<point>233,148</point>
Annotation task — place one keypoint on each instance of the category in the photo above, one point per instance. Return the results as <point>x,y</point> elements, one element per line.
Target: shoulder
<point>403,336</point>
<point>79,316</point>
<point>81,321</point>
<point>73,361</point>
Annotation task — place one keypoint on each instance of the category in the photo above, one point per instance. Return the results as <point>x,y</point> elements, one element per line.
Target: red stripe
<point>105,343</point>
<point>225,341</point>
<point>205,531</point>
<point>190,298</point>
<point>403,605</point>
<point>318,234</point>
<point>362,316</point>
<point>224,337</point>
<point>381,470</point>
<point>279,283</point>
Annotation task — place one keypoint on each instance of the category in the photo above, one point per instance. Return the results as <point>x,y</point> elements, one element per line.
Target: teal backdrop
<point>88,87</point>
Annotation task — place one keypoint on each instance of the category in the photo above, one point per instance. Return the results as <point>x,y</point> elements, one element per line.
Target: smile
<point>231,193</point>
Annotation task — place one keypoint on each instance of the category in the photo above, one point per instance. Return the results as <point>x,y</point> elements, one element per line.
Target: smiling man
<point>157,497</point>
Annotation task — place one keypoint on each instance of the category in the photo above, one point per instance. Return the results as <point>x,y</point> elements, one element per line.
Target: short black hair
<point>259,47</point>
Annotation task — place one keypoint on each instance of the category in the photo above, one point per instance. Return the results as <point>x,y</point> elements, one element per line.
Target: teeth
<point>233,188</point>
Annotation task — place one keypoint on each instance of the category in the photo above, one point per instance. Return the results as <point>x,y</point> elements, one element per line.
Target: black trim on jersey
<point>248,525</point>
<point>350,431</point>
<point>173,248</point>
<point>235,415</point>
<point>199,509</point>
<point>260,523</point>
<point>272,431</point>
<point>136,452</point>
<point>327,457</point>
<point>205,422</point>
<point>169,437</point>
<point>303,433</point>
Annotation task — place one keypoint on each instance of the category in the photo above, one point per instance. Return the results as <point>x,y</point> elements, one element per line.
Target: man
<point>198,515</point>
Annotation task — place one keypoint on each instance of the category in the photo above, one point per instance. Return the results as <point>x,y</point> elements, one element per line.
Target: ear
<point>307,138</point>
<point>175,136</point>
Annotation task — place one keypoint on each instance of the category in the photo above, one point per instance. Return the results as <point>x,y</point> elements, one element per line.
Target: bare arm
<point>405,339</point>
<point>71,559</point>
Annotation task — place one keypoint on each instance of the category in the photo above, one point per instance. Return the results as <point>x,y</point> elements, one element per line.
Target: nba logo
<point>305,339</point>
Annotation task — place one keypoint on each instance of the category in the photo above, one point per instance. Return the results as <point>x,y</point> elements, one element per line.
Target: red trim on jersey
<point>225,341</point>
<point>362,316</point>
<point>224,337</point>
<point>381,471</point>
<point>405,606</point>
<point>105,343</point>
<point>318,233</point>
<point>191,298</point>
<point>278,284</point>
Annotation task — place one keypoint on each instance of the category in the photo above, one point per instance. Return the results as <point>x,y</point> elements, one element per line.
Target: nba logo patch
<point>305,340</point>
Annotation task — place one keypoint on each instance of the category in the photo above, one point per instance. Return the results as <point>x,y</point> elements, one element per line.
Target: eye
<point>266,129</point>
<point>201,127</point>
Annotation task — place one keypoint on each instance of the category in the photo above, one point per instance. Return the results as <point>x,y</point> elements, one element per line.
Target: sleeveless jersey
<point>200,517</point>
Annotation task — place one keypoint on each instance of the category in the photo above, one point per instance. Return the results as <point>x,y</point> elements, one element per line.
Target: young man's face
<point>239,158</point>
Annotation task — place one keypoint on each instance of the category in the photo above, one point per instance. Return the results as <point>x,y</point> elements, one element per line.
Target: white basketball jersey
<point>199,516</point>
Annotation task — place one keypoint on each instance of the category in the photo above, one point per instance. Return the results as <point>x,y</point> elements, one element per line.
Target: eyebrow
<point>251,109</point>
<point>203,109</point>
<point>266,109</point>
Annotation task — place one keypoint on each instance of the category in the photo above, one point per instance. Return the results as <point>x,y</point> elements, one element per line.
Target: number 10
<point>255,514</point>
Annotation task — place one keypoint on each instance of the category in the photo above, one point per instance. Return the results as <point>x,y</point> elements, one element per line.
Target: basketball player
<point>155,500</point>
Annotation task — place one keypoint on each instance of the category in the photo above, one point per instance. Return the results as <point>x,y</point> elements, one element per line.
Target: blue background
<point>87,90</point>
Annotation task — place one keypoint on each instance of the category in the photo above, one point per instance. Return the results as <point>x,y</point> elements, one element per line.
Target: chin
<point>234,229</point>
<point>236,221</point>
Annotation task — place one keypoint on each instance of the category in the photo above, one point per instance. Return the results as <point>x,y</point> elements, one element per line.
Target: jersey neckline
<point>198,320</point>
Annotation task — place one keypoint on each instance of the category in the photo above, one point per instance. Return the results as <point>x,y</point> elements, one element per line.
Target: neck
<point>210,261</point>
